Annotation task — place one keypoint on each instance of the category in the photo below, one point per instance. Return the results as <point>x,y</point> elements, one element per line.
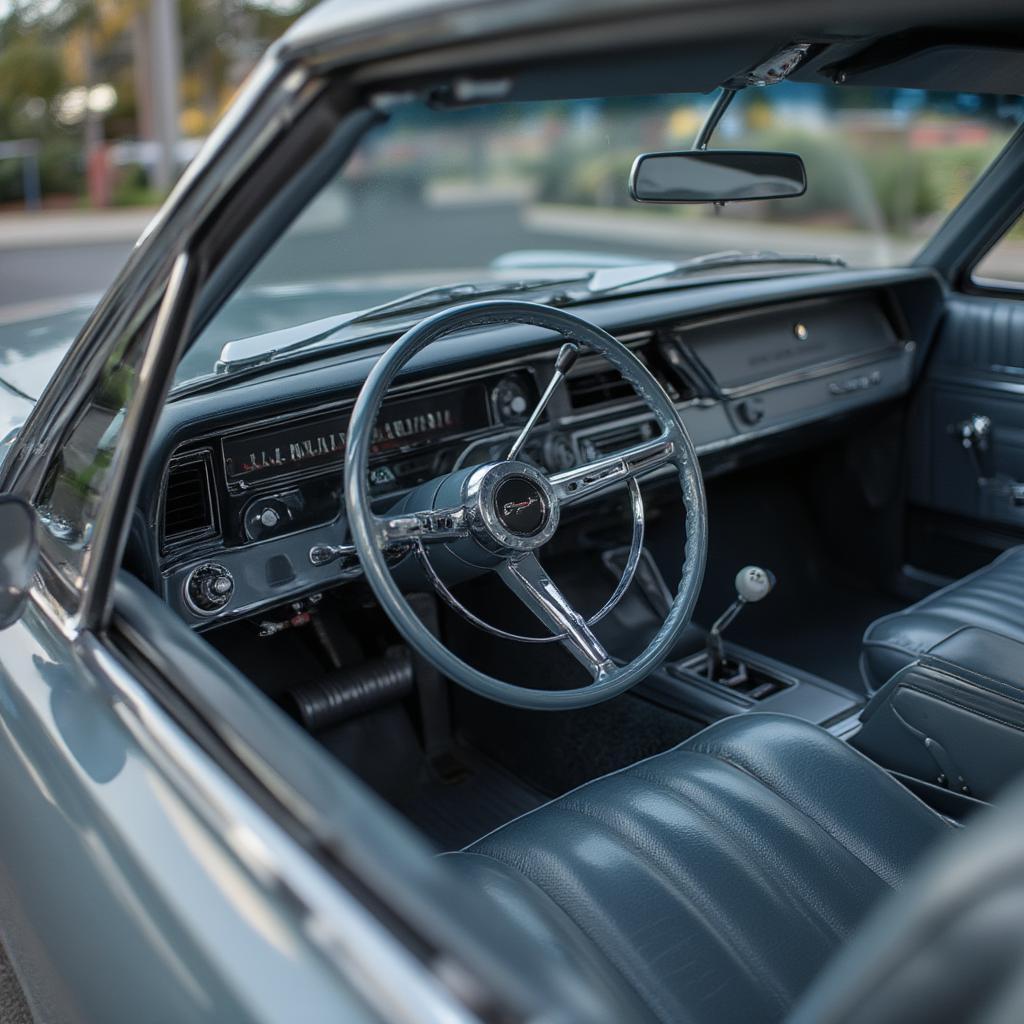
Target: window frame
<point>161,280</point>
<point>991,207</point>
<point>996,287</point>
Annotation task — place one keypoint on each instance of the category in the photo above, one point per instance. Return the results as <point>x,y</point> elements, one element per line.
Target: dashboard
<point>247,482</point>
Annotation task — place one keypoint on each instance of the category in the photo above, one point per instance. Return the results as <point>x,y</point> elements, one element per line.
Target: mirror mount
<point>19,555</point>
<point>715,114</point>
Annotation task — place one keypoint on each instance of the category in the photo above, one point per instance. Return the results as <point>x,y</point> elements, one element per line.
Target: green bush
<point>60,171</point>
<point>871,182</point>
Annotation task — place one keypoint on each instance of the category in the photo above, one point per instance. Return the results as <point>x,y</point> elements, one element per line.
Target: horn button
<point>516,508</point>
<point>520,506</point>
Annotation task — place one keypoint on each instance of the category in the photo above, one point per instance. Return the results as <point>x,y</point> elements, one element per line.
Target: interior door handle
<point>974,435</point>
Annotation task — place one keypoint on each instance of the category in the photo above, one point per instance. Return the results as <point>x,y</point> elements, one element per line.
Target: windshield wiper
<point>445,295</point>
<point>609,279</point>
<point>263,348</point>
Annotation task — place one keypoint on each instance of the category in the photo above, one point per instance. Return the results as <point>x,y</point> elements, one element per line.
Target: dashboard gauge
<point>558,453</point>
<point>510,400</point>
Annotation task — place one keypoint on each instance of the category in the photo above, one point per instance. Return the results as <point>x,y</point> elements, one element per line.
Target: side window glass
<point>73,487</point>
<point>1003,265</point>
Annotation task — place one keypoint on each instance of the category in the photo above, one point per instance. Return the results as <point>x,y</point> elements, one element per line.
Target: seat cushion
<point>713,881</point>
<point>991,598</point>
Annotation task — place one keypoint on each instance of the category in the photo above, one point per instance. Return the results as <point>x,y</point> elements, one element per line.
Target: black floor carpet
<point>826,641</point>
<point>817,614</point>
<point>456,813</point>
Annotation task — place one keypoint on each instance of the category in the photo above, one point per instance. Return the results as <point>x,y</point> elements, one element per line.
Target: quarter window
<point>1003,265</point>
<point>75,481</point>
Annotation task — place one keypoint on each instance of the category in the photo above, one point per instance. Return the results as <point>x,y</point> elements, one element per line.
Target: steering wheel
<point>495,516</point>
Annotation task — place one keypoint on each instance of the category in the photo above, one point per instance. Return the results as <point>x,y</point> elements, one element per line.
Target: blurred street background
<point>103,102</point>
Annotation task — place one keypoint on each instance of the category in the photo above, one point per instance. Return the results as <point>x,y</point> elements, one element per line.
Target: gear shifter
<point>752,584</point>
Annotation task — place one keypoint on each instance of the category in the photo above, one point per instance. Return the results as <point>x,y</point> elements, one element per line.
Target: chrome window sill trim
<point>370,959</point>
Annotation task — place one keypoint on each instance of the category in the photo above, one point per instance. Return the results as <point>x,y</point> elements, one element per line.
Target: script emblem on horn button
<point>520,506</point>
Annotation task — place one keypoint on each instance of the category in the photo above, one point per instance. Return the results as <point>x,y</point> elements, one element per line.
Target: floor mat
<point>827,642</point>
<point>455,814</point>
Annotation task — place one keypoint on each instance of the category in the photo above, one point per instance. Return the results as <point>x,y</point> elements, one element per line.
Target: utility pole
<point>165,87</point>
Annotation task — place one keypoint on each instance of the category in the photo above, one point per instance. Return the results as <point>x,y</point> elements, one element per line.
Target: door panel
<point>974,385</point>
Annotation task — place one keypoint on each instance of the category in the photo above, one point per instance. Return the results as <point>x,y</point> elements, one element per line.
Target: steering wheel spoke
<point>434,526</point>
<point>510,509</point>
<point>582,481</point>
<point>529,581</point>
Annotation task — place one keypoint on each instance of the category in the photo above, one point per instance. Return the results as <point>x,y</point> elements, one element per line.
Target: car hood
<point>33,340</point>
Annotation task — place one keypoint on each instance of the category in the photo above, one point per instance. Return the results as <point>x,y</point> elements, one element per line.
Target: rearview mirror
<point>716,176</point>
<point>19,550</point>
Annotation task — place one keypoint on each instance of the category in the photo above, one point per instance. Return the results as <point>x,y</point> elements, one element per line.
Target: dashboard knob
<point>558,454</point>
<point>264,515</point>
<point>208,588</point>
<point>750,412</point>
<point>510,400</point>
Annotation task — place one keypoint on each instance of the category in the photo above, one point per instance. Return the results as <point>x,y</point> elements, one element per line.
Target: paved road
<point>28,275</point>
<point>385,239</point>
<point>62,255</point>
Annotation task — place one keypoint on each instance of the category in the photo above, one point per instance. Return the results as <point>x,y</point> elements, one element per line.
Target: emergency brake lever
<point>563,364</point>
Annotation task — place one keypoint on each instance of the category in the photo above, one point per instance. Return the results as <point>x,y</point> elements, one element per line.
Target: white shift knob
<point>754,583</point>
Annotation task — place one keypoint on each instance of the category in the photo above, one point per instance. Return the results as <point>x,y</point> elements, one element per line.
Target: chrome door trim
<point>370,959</point>
<point>113,520</point>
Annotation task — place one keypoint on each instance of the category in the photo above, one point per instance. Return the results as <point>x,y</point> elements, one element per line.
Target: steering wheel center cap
<point>520,506</point>
<point>516,508</point>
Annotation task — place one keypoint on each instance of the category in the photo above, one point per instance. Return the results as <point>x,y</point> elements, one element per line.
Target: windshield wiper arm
<point>611,278</point>
<point>247,352</point>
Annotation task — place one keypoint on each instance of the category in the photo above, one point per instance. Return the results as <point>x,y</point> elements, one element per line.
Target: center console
<point>721,679</point>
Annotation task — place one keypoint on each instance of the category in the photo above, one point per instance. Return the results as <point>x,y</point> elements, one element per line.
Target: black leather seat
<point>711,882</point>
<point>991,598</point>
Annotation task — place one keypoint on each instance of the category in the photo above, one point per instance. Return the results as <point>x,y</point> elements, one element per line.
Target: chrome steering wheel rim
<point>373,535</point>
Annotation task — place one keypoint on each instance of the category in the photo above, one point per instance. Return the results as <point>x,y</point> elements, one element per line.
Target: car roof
<point>934,44</point>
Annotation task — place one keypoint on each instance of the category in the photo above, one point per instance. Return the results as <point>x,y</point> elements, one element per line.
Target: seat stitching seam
<point>729,947</point>
<point>963,707</point>
<point>980,675</point>
<point>738,843</point>
<point>952,588</point>
<point>587,932</point>
<point>508,863</point>
<point>800,810</point>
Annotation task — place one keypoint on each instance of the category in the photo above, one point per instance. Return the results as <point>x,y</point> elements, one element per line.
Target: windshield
<point>539,190</point>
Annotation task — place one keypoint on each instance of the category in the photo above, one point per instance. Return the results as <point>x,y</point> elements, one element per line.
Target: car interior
<point>841,522</point>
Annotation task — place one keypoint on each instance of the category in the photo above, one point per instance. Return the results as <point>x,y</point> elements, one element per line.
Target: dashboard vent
<point>188,499</point>
<point>615,439</point>
<point>598,387</point>
<point>594,383</point>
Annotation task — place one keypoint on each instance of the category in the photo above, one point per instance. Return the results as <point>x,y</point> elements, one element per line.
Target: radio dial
<point>208,588</point>
<point>264,516</point>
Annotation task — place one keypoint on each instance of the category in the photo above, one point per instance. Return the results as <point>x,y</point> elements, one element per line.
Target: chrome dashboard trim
<point>341,406</point>
<point>823,369</point>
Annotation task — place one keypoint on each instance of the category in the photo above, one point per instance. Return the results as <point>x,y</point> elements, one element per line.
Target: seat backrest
<point>949,946</point>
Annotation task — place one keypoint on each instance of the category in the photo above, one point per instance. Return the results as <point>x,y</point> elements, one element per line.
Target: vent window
<point>188,499</point>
